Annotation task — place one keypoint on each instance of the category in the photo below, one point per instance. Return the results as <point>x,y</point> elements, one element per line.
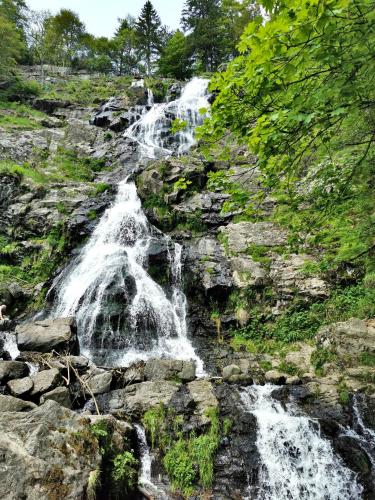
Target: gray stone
<point>12,404</point>
<point>243,234</point>
<point>47,335</point>
<point>12,369</point>
<point>246,272</point>
<point>20,386</point>
<point>348,338</point>
<point>45,381</point>
<point>41,454</point>
<point>275,377</point>
<point>100,384</point>
<point>136,399</point>
<point>61,395</point>
<point>167,369</point>
<point>230,370</point>
<point>203,395</point>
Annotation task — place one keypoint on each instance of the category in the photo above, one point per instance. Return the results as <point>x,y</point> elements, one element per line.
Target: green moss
<point>288,368</point>
<point>320,357</point>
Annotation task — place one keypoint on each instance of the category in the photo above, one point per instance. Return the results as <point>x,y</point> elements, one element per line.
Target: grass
<point>301,322</point>
<point>188,459</point>
<point>15,115</point>
<point>88,92</point>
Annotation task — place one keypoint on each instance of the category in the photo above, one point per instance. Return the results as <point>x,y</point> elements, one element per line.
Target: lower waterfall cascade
<point>296,462</point>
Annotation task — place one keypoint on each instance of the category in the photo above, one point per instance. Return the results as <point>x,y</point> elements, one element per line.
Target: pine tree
<point>148,28</point>
<point>203,20</point>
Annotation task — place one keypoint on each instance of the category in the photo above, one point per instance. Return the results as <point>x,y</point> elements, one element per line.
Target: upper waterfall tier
<point>152,130</point>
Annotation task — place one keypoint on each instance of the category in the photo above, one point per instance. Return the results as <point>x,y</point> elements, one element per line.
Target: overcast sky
<point>100,16</point>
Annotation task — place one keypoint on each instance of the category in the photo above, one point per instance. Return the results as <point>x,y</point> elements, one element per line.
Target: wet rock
<point>167,369</point>
<point>12,404</point>
<point>21,386</point>
<point>12,370</point>
<point>275,377</point>
<point>42,454</point>
<point>61,395</point>
<point>45,381</point>
<point>48,335</point>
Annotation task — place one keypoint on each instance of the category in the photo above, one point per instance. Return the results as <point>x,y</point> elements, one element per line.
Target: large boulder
<point>136,399</point>
<point>20,386</point>
<point>52,334</point>
<point>46,454</point>
<point>61,395</point>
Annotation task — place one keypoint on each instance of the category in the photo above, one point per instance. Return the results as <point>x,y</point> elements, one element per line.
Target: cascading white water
<point>151,131</point>
<point>296,462</point>
<point>115,258</point>
<point>145,476</point>
<point>10,344</point>
<point>360,432</point>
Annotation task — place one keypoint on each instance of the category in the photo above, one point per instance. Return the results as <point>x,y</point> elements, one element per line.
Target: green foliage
<point>189,461</point>
<point>124,471</point>
<point>180,468</point>
<point>301,321</point>
<point>178,125</point>
<point>149,34</point>
<point>155,423</point>
<point>288,368</point>
<point>19,116</point>
<point>101,187</point>
<point>182,184</point>
<point>175,60</point>
<point>292,97</point>
<point>10,47</point>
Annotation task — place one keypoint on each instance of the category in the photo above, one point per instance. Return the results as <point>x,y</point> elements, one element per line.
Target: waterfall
<point>10,344</point>
<point>122,314</point>
<point>296,462</point>
<point>151,131</point>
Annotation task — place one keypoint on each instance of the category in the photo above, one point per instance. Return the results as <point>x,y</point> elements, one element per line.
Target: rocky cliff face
<point>68,426</point>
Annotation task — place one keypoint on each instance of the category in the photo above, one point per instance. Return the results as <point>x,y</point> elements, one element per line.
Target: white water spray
<point>296,462</point>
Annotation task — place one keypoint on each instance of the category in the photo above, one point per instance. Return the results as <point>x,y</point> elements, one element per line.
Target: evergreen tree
<point>203,20</point>
<point>149,35</point>
<point>125,47</point>
<point>175,60</point>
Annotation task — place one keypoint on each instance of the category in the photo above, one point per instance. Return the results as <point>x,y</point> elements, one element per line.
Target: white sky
<point>100,16</point>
